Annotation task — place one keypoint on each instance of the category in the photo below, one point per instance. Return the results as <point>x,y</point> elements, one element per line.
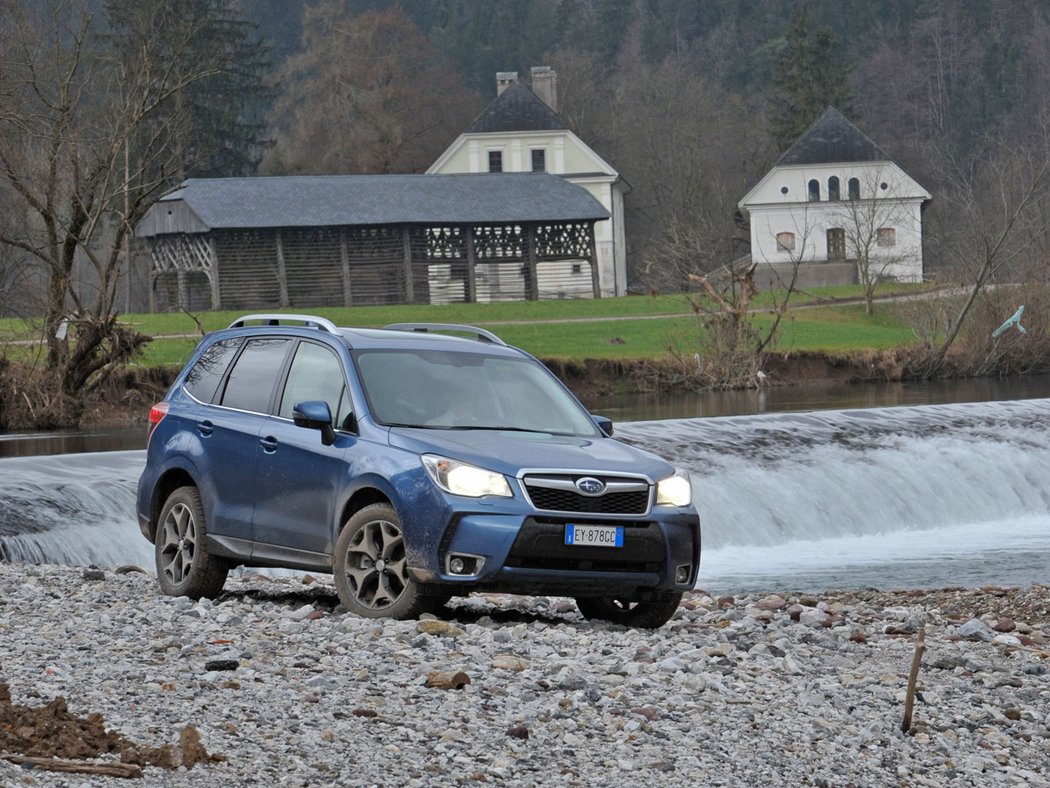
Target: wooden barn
<point>307,241</point>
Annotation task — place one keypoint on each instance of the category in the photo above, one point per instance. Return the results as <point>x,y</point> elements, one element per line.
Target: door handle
<point>205,428</point>
<point>269,444</point>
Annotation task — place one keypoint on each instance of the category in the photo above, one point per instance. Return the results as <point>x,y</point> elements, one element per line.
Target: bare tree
<point>879,230</point>
<point>69,115</point>
<point>997,203</point>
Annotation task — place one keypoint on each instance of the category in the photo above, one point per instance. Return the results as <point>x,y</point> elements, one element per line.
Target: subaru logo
<point>588,485</point>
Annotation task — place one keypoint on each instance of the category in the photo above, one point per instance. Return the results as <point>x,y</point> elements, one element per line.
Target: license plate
<point>594,535</point>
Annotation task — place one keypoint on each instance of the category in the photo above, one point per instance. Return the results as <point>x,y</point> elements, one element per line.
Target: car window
<point>316,374</point>
<point>204,379</point>
<point>454,390</point>
<point>254,374</point>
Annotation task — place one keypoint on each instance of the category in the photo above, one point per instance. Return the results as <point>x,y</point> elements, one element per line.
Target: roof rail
<point>425,328</point>
<point>310,321</point>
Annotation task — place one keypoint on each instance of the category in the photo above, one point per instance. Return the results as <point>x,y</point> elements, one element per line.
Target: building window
<point>785,242</point>
<point>886,236</point>
<point>854,189</point>
<point>539,160</point>
<point>836,244</point>
<point>833,188</point>
<point>814,190</point>
<point>577,268</point>
<point>495,161</point>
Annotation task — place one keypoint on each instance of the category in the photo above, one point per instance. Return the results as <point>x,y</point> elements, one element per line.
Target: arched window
<point>833,188</point>
<point>814,190</point>
<point>785,242</point>
<point>854,189</point>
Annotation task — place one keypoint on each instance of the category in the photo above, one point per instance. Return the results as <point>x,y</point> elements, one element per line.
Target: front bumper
<point>527,554</point>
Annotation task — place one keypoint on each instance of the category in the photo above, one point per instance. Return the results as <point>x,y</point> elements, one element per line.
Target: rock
<point>221,664</point>
<point>92,575</point>
<point>814,618</point>
<point>301,613</point>
<point>771,602</point>
<point>518,732</point>
<point>1004,625</point>
<point>369,713</point>
<point>795,611</point>
<point>129,569</point>
<point>975,629</point>
<point>438,627</point>
<point>509,662</point>
<point>1007,640</point>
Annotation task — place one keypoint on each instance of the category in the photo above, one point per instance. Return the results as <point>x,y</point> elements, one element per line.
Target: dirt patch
<point>42,733</point>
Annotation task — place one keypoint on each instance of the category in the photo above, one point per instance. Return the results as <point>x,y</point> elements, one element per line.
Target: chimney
<point>545,85</point>
<point>504,79</point>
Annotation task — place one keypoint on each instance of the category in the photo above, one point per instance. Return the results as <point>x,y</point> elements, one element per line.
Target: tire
<point>641,615</point>
<point>371,568</point>
<point>184,566</point>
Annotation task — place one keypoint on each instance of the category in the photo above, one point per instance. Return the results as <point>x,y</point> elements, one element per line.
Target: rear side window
<point>203,380</point>
<point>316,374</point>
<point>253,375</point>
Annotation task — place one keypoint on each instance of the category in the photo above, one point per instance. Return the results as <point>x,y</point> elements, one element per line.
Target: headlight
<point>674,490</point>
<point>459,478</point>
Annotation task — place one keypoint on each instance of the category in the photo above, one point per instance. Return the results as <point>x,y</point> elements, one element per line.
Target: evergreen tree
<point>808,76</point>
<point>223,128</point>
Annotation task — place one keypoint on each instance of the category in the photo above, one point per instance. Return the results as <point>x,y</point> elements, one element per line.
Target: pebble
<point>769,689</point>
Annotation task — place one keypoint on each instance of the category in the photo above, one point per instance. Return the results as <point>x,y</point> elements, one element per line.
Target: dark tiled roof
<point>516,109</point>
<point>832,139</point>
<point>335,200</point>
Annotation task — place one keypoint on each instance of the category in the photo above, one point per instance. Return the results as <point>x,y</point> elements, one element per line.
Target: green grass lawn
<point>628,327</point>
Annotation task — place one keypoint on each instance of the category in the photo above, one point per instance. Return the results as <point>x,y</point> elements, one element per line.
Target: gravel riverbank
<point>774,690</point>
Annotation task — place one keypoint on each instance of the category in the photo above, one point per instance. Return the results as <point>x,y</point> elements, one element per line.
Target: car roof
<point>398,336</point>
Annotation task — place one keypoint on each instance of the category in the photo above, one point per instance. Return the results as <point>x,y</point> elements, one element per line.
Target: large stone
<point>975,629</point>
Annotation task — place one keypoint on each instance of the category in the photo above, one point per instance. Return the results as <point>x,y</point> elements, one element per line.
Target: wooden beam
<point>344,257</point>
<point>532,287</point>
<point>471,285</point>
<point>410,286</point>
<point>596,285</point>
<point>282,274</point>
<point>213,276</point>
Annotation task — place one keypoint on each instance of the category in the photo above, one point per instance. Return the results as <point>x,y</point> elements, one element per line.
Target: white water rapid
<point>894,497</point>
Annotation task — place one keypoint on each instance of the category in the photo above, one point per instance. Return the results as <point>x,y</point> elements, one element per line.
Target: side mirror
<point>315,415</point>
<point>604,424</point>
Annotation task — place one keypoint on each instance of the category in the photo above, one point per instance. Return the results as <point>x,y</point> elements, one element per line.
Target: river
<point>793,494</point>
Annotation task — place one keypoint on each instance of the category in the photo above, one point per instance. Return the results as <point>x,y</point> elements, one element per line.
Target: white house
<point>520,131</point>
<point>839,207</point>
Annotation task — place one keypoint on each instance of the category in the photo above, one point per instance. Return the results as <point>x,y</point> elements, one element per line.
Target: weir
<point>915,496</point>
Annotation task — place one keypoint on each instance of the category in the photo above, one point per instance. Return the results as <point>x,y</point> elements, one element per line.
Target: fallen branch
<point>76,767</point>
<point>909,701</point>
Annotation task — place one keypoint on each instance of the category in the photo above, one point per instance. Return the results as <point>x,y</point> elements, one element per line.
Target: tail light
<point>156,415</point>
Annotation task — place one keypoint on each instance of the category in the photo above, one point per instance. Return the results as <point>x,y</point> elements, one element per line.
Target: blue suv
<point>415,463</point>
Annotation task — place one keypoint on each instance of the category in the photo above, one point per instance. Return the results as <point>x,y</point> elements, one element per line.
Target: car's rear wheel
<point>643,615</point>
<point>184,565</point>
<point>371,568</point>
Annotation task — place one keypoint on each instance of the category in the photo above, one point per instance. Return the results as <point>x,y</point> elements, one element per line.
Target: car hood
<point>512,452</point>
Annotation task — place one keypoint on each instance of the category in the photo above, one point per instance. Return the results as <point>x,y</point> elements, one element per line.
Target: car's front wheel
<point>371,568</point>
<point>184,565</point>
<point>643,615</point>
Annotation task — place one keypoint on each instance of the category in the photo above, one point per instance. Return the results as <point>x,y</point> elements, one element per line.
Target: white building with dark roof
<point>347,240</point>
<point>520,131</point>
<point>833,202</point>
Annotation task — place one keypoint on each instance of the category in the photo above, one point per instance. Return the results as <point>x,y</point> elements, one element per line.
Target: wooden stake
<point>77,767</point>
<point>909,701</point>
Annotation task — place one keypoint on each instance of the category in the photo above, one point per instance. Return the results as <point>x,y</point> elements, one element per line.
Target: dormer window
<point>539,160</point>
<point>814,190</point>
<point>495,161</point>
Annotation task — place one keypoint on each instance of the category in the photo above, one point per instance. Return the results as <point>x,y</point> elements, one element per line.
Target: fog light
<point>681,574</point>
<point>464,564</point>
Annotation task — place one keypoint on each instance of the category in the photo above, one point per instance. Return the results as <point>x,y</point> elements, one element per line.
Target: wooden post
<point>909,700</point>
<point>471,285</point>
<point>282,274</point>
<point>344,257</point>
<point>410,286</point>
<point>532,284</point>
<point>596,284</point>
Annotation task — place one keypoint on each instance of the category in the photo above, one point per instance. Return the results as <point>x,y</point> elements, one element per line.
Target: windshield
<point>450,390</point>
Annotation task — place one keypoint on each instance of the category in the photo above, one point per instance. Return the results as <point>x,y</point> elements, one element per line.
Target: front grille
<point>557,499</point>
